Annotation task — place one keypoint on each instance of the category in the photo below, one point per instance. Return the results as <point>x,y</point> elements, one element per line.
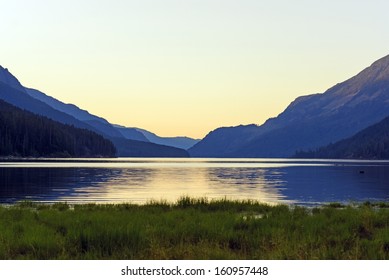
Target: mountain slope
<point>97,123</point>
<point>29,135</point>
<point>223,140</point>
<point>309,121</point>
<point>7,78</point>
<point>178,142</point>
<point>370,143</point>
<point>37,102</point>
<point>133,148</point>
<point>22,100</point>
<point>131,133</point>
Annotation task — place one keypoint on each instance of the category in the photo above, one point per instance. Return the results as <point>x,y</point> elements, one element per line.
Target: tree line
<point>370,143</point>
<point>24,134</point>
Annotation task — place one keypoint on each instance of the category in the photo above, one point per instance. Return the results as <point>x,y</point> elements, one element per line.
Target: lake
<point>139,180</point>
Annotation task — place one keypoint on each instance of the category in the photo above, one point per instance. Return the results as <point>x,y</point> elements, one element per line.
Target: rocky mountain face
<point>310,121</point>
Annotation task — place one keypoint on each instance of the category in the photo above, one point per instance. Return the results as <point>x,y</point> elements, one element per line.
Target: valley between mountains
<point>346,121</point>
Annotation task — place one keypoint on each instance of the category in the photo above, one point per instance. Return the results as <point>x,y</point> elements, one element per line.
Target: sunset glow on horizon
<point>184,68</point>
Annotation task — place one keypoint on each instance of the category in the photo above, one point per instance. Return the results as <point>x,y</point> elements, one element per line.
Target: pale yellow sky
<point>187,67</point>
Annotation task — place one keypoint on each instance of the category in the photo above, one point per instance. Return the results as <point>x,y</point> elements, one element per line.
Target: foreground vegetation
<point>194,229</point>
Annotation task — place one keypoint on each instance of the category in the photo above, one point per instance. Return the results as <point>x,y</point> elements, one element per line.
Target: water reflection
<point>141,180</point>
<point>70,184</point>
<point>311,185</point>
<point>253,183</point>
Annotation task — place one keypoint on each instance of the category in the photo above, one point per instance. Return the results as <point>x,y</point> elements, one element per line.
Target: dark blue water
<point>304,182</point>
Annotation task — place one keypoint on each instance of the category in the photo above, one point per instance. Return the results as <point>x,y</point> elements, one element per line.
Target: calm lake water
<point>138,180</point>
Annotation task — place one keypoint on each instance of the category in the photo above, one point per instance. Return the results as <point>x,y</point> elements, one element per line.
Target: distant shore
<point>194,229</point>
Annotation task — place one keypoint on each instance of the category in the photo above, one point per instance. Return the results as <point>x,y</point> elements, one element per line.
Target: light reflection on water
<point>141,180</point>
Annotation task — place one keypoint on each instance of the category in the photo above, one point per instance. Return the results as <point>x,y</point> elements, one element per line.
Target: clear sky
<point>185,67</point>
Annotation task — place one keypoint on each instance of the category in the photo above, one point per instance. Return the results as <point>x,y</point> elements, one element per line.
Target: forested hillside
<point>25,134</point>
<point>370,143</point>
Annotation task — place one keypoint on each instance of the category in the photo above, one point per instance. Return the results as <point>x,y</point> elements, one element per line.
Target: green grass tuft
<point>194,228</point>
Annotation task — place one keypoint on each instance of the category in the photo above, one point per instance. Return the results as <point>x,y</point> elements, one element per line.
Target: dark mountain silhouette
<point>310,121</point>
<point>223,140</point>
<point>11,91</point>
<point>98,123</point>
<point>7,78</point>
<point>25,134</point>
<point>139,134</point>
<point>181,142</point>
<point>22,100</point>
<point>370,143</point>
<point>112,131</point>
<point>132,148</point>
<point>131,133</point>
<point>142,147</point>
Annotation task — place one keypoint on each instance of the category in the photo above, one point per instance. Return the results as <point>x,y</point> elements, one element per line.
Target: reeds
<point>194,229</point>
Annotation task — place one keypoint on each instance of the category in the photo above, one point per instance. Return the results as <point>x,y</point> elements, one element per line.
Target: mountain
<point>28,135</point>
<point>12,92</point>
<point>96,122</point>
<point>133,148</point>
<point>21,99</point>
<point>178,142</point>
<point>134,133</point>
<point>370,143</point>
<point>7,78</point>
<point>143,147</point>
<point>218,142</point>
<point>131,133</point>
<point>308,122</point>
<point>113,131</point>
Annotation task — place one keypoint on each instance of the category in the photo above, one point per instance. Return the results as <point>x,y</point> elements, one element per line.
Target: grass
<point>194,229</point>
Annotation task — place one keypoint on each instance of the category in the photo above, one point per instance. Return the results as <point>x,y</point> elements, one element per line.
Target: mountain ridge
<point>181,142</point>
<point>96,122</point>
<point>34,101</point>
<point>309,121</point>
<point>7,78</point>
